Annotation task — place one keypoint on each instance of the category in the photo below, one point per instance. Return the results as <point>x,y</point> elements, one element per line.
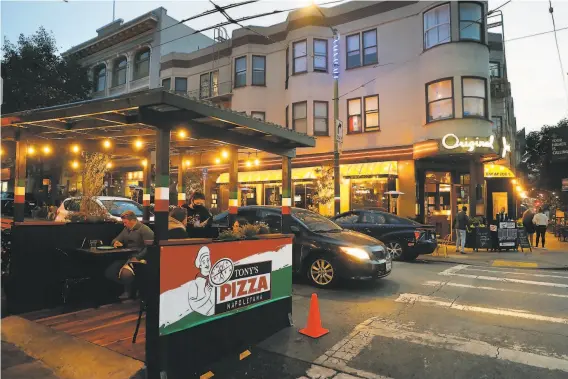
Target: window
<point>372,113</point>
<point>321,124</point>
<point>119,77</point>
<point>347,218</point>
<point>497,123</point>
<point>181,85</point>
<point>287,118</point>
<point>495,69</point>
<point>167,83</point>
<point>437,26</point>
<point>474,95</point>
<point>300,117</point>
<point>287,66</point>
<point>209,85</point>
<point>440,99</point>
<point>142,64</point>
<point>300,50</point>
<point>258,70</point>
<point>370,55</point>
<point>240,72</point>
<point>100,78</point>
<point>353,51</point>
<point>354,112</point>
<point>258,115</point>
<point>471,22</point>
<point>320,55</point>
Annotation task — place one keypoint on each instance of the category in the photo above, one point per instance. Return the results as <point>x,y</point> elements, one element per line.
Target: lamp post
<point>338,129</point>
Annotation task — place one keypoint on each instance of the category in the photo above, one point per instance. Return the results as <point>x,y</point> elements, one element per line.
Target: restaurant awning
<point>497,171</point>
<point>308,173</point>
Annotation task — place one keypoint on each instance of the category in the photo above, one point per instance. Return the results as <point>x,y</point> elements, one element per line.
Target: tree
<point>324,188</point>
<point>36,76</point>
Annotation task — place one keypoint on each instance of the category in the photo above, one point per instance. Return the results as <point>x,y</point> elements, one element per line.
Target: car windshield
<point>315,222</point>
<point>117,207</point>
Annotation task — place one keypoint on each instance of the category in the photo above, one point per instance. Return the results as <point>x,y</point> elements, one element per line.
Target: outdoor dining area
<point>186,294</point>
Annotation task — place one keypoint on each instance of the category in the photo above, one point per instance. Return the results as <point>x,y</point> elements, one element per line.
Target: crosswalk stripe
<point>413,298</point>
<point>507,280</point>
<point>518,273</point>
<point>435,283</point>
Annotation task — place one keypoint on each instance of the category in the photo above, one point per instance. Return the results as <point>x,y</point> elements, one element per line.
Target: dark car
<point>322,250</point>
<point>405,239</point>
<point>7,205</point>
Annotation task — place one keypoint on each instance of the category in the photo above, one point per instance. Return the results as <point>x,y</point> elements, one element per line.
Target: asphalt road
<point>426,320</point>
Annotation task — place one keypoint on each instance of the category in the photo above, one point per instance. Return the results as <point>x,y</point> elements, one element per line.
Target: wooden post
<point>286,194</point>
<point>20,180</point>
<point>233,185</point>
<point>162,193</point>
<point>147,187</point>
<point>180,186</point>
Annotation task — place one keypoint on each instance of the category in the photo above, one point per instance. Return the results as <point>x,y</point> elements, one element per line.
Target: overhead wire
<point>562,72</point>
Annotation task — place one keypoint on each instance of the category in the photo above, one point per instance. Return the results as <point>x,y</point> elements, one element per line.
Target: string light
<point>46,149</point>
<point>75,149</point>
<point>519,188</point>
<point>75,164</point>
<point>31,150</point>
<point>109,165</point>
<point>256,162</point>
<point>514,181</point>
<point>107,144</point>
<point>138,144</point>
<point>187,163</point>
<point>182,133</point>
<point>225,154</point>
<point>1,151</point>
<point>145,162</point>
<point>217,160</point>
<point>249,164</point>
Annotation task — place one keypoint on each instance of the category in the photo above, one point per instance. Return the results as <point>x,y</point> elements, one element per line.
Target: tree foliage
<point>93,175</point>
<point>36,76</point>
<point>193,182</point>
<point>324,188</point>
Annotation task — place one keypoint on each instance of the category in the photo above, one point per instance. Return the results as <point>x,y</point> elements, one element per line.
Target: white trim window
<point>258,70</point>
<point>320,54</point>
<point>180,85</point>
<point>353,50</point>
<point>142,64</point>
<point>440,100</point>
<point>300,51</point>
<point>471,22</point>
<point>119,71</point>
<point>100,78</point>
<point>437,26</point>
<point>474,97</point>
<point>240,72</point>
<point>354,119</point>
<point>321,116</point>
<point>370,55</point>
<point>300,117</point>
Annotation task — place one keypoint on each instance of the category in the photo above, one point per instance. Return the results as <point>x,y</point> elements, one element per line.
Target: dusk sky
<point>534,68</point>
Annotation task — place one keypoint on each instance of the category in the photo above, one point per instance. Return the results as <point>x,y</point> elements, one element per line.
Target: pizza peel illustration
<point>221,271</point>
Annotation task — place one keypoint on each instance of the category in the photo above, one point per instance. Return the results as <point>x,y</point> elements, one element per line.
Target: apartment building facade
<point>414,98</point>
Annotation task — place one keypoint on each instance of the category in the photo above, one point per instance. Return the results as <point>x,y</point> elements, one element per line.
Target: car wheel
<point>395,250</point>
<point>321,272</point>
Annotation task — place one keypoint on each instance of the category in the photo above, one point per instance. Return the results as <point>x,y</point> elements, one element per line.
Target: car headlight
<point>356,252</point>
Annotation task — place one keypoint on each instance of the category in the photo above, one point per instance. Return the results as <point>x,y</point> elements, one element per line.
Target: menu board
<point>482,238</point>
<point>523,239</point>
<point>507,234</point>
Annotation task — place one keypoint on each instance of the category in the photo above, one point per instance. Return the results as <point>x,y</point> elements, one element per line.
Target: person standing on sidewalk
<point>529,225</point>
<point>460,223</point>
<point>540,221</point>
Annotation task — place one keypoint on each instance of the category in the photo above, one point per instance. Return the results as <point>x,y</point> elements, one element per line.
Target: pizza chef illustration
<point>201,293</point>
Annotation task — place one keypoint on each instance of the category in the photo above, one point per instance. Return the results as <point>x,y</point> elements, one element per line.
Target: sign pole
<point>336,137</point>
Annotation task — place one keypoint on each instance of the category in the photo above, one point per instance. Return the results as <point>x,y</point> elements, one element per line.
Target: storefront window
<point>248,196</point>
<point>273,194</point>
<point>369,193</point>
<point>303,194</point>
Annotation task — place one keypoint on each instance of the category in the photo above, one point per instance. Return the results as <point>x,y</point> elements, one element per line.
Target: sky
<point>534,70</point>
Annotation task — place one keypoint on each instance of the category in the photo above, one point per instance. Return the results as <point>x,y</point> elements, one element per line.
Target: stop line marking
<point>414,298</point>
<point>435,283</point>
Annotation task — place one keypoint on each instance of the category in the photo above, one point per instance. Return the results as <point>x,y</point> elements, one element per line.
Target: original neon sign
<point>451,141</point>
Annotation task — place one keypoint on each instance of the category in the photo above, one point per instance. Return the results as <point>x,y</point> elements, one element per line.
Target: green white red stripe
<point>233,206</point>
<point>19,195</point>
<point>162,199</point>
<point>286,204</point>
<point>146,199</point>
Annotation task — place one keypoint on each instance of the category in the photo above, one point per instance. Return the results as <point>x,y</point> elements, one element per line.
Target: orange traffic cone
<point>313,328</point>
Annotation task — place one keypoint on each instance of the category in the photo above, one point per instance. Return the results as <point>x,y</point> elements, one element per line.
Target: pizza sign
<point>249,284</point>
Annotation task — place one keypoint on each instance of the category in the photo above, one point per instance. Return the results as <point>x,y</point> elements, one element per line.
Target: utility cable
<point>562,72</point>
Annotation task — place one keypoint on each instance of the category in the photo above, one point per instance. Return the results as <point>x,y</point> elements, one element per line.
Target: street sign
<point>204,171</point>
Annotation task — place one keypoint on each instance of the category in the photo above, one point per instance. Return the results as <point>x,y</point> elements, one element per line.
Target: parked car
<point>114,206</point>
<point>322,250</point>
<point>7,204</point>
<point>405,239</point>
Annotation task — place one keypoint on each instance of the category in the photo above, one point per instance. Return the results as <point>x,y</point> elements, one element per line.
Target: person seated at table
<point>177,223</point>
<point>198,216</point>
<point>132,236</point>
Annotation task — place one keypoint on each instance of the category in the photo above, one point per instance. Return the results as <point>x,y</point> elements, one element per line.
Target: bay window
<point>258,70</point>
<point>209,85</point>
<point>300,51</point>
<point>354,116</point>
<point>320,55</point>
<point>180,85</point>
<point>474,97</point>
<point>437,26</point>
<point>240,72</point>
<point>321,125</point>
<point>300,117</point>
<point>440,100</point>
<point>471,22</point>
<point>167,83</point>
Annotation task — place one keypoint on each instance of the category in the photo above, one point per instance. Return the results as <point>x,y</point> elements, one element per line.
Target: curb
<point>68,357</point>
<point>485,263</point>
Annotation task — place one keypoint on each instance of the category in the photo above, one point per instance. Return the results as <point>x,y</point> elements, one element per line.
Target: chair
<point>447,240</point>
<point>141,283</point>
<point>71,272</point>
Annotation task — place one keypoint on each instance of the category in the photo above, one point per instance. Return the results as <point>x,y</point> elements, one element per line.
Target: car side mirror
<point>295,229</point>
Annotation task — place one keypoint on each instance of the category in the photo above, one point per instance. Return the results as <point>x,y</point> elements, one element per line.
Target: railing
<point>211,92</point>
<point>500,89</point>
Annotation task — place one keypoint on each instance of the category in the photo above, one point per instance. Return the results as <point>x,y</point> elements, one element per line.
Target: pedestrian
<point>177,223</point>
<point>529,225</point>
<point>198,216</point>
<point>540,221</point>
<point>460,224</point>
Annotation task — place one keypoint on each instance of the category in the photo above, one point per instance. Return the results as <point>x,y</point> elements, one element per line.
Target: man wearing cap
<point>132,236</point>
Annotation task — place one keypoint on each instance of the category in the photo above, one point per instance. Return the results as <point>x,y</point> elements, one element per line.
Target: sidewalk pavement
<point>555,256</point>
<point>18,365</point>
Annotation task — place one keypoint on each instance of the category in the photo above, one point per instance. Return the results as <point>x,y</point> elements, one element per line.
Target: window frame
<point>294,118</point>
<point>287,66</point>
<point>253,70</point>
<point>116,69</point>
<point>97,76</point>
<point>294,72</point>
<point>252,113</point>
<point>500,121</point>
<point>485,100</point>
<point>321,133</point>
<point>424,26</point>
<point>287,117</point>
<point>360,115</point>
<point>170,81</point>
<point>326,43</point>
<point>209,84</point>
<point>175,84</point>
<point>236,72</point>
<point>347,67</point>
<point>363,48</point>
<point>481,22</point>
<point>364,106</point>
<point>445,98</point>
<point>138,62</point>
<point>498,69</point>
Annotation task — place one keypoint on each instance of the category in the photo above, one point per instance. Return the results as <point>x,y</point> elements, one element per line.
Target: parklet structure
<point>197,305</point>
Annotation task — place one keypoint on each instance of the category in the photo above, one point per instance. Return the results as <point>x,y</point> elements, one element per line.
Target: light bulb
<point>138,144</point>
<point>144,162</point>
<point>31,150</point>
<point>75,164</point>
<point>187,163</point>
<point>109,165</point>
<point>225,154</point>
<point>107,144</point>
<point>75,149</point>
<point>217,160</point>
<point>182,133</point>
<point>248,164</point>
<point>46,149</point>
<point>256,162</point>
